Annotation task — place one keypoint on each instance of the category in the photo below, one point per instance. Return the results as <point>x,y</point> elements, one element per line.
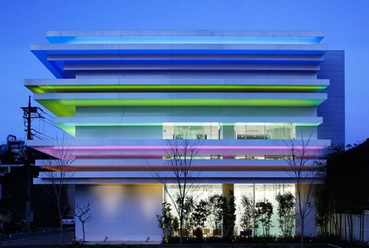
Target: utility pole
<point>29,113</point>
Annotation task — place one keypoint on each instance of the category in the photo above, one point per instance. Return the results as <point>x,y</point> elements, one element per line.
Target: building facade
<point>245,97</point>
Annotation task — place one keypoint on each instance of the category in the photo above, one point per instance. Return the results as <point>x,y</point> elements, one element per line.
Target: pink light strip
<point>166,147</point>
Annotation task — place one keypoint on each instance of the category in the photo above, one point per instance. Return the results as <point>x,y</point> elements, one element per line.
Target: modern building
<point>247,97</point>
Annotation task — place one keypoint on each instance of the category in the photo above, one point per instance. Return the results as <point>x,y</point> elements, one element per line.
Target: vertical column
<point>310,228</point>
<point>228,132</point>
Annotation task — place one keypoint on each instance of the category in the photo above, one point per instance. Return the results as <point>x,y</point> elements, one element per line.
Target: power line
<point>39,133</point>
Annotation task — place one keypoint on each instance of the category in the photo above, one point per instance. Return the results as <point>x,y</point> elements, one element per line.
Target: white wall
<point>310,227</point>
<point>121,212</point>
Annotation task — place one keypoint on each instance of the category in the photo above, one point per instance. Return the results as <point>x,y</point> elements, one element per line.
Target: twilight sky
<point>24,22</point>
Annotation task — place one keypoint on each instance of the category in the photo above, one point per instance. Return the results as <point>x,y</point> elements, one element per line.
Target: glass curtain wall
<point>259,193</point>
<point>214,130</point>
<point>254,192</point>
<point>264,131</point>
<point>191,131</point>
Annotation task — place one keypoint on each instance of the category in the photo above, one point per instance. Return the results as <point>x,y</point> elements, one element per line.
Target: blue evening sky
<point>22,23</point>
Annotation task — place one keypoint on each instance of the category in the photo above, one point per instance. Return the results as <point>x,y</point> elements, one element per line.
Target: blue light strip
<point>181,39</point>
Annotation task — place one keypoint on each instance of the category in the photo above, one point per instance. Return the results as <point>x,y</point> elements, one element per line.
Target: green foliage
<point>216,209</point>
<point>347,183</point>
<point>247,218</point>
<point>188,207</point>
<point>223,211</point>
<point>263,216</point>
<point>323,207</point>
<point>175,224</point>
<point>286,213</point>
<point>165,220</point>
<point>200,213</point>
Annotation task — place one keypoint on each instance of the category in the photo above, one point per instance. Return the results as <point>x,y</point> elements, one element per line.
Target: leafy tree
<point>286,213</point>
<point>263,216</point>
<point>324,209</point>
<point>216,209</point>
<point>199,216</point>
<point>175,224</point>
<point>347,180</point>
<point>180,154</point>
<point>247,218</point>
<point>165,220</point>
<point>188,207</point>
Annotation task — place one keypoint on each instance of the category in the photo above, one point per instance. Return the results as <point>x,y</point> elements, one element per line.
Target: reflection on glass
<point>167,157</point>
<point>261,192</point>
<point>268,157</point>
<point>264,131</point>
<point>214,130</point>
<point>209,130</point>
<point>254,193</point>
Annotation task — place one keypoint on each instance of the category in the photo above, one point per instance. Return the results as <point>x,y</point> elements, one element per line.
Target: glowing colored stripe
<point>115,151</point>
<point>163,39</point>
<point>162,148</point>
<point>66,107</point>
<point>225,167</point>
<point>175,88</point>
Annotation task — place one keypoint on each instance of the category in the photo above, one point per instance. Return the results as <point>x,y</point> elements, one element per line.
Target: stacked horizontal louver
<point>247,96</point>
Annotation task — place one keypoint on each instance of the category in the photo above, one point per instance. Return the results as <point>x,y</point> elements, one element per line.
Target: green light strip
<point>174,88</point>
<point>66,107</point>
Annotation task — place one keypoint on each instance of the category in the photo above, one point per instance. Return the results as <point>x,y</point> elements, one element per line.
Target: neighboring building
<point>347,181</point>
<point>248,95</point>
<point>13,188</point>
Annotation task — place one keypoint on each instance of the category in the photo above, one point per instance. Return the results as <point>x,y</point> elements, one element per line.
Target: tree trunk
<point>302,232</point>
<point>360,227</point>
<point>340,230</point>
<point>83,230</point>
<point>180,230</point>
<point>345,226</point>
<point>351,227</point>
<point>363,229</point>
<point>61,232</point>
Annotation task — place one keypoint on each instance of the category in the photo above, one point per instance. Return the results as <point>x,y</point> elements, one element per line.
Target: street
<point>44,237</point>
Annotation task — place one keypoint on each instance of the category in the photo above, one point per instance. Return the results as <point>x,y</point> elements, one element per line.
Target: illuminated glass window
<point>268,157</point>
<point>264,131</point>
<point>191,130</point>
<point>167,157</point>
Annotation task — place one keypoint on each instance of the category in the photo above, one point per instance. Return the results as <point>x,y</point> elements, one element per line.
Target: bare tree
<point>82,212</point>
<point>180,154</point>
<point>304,173</point>
<point>59,174</point>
